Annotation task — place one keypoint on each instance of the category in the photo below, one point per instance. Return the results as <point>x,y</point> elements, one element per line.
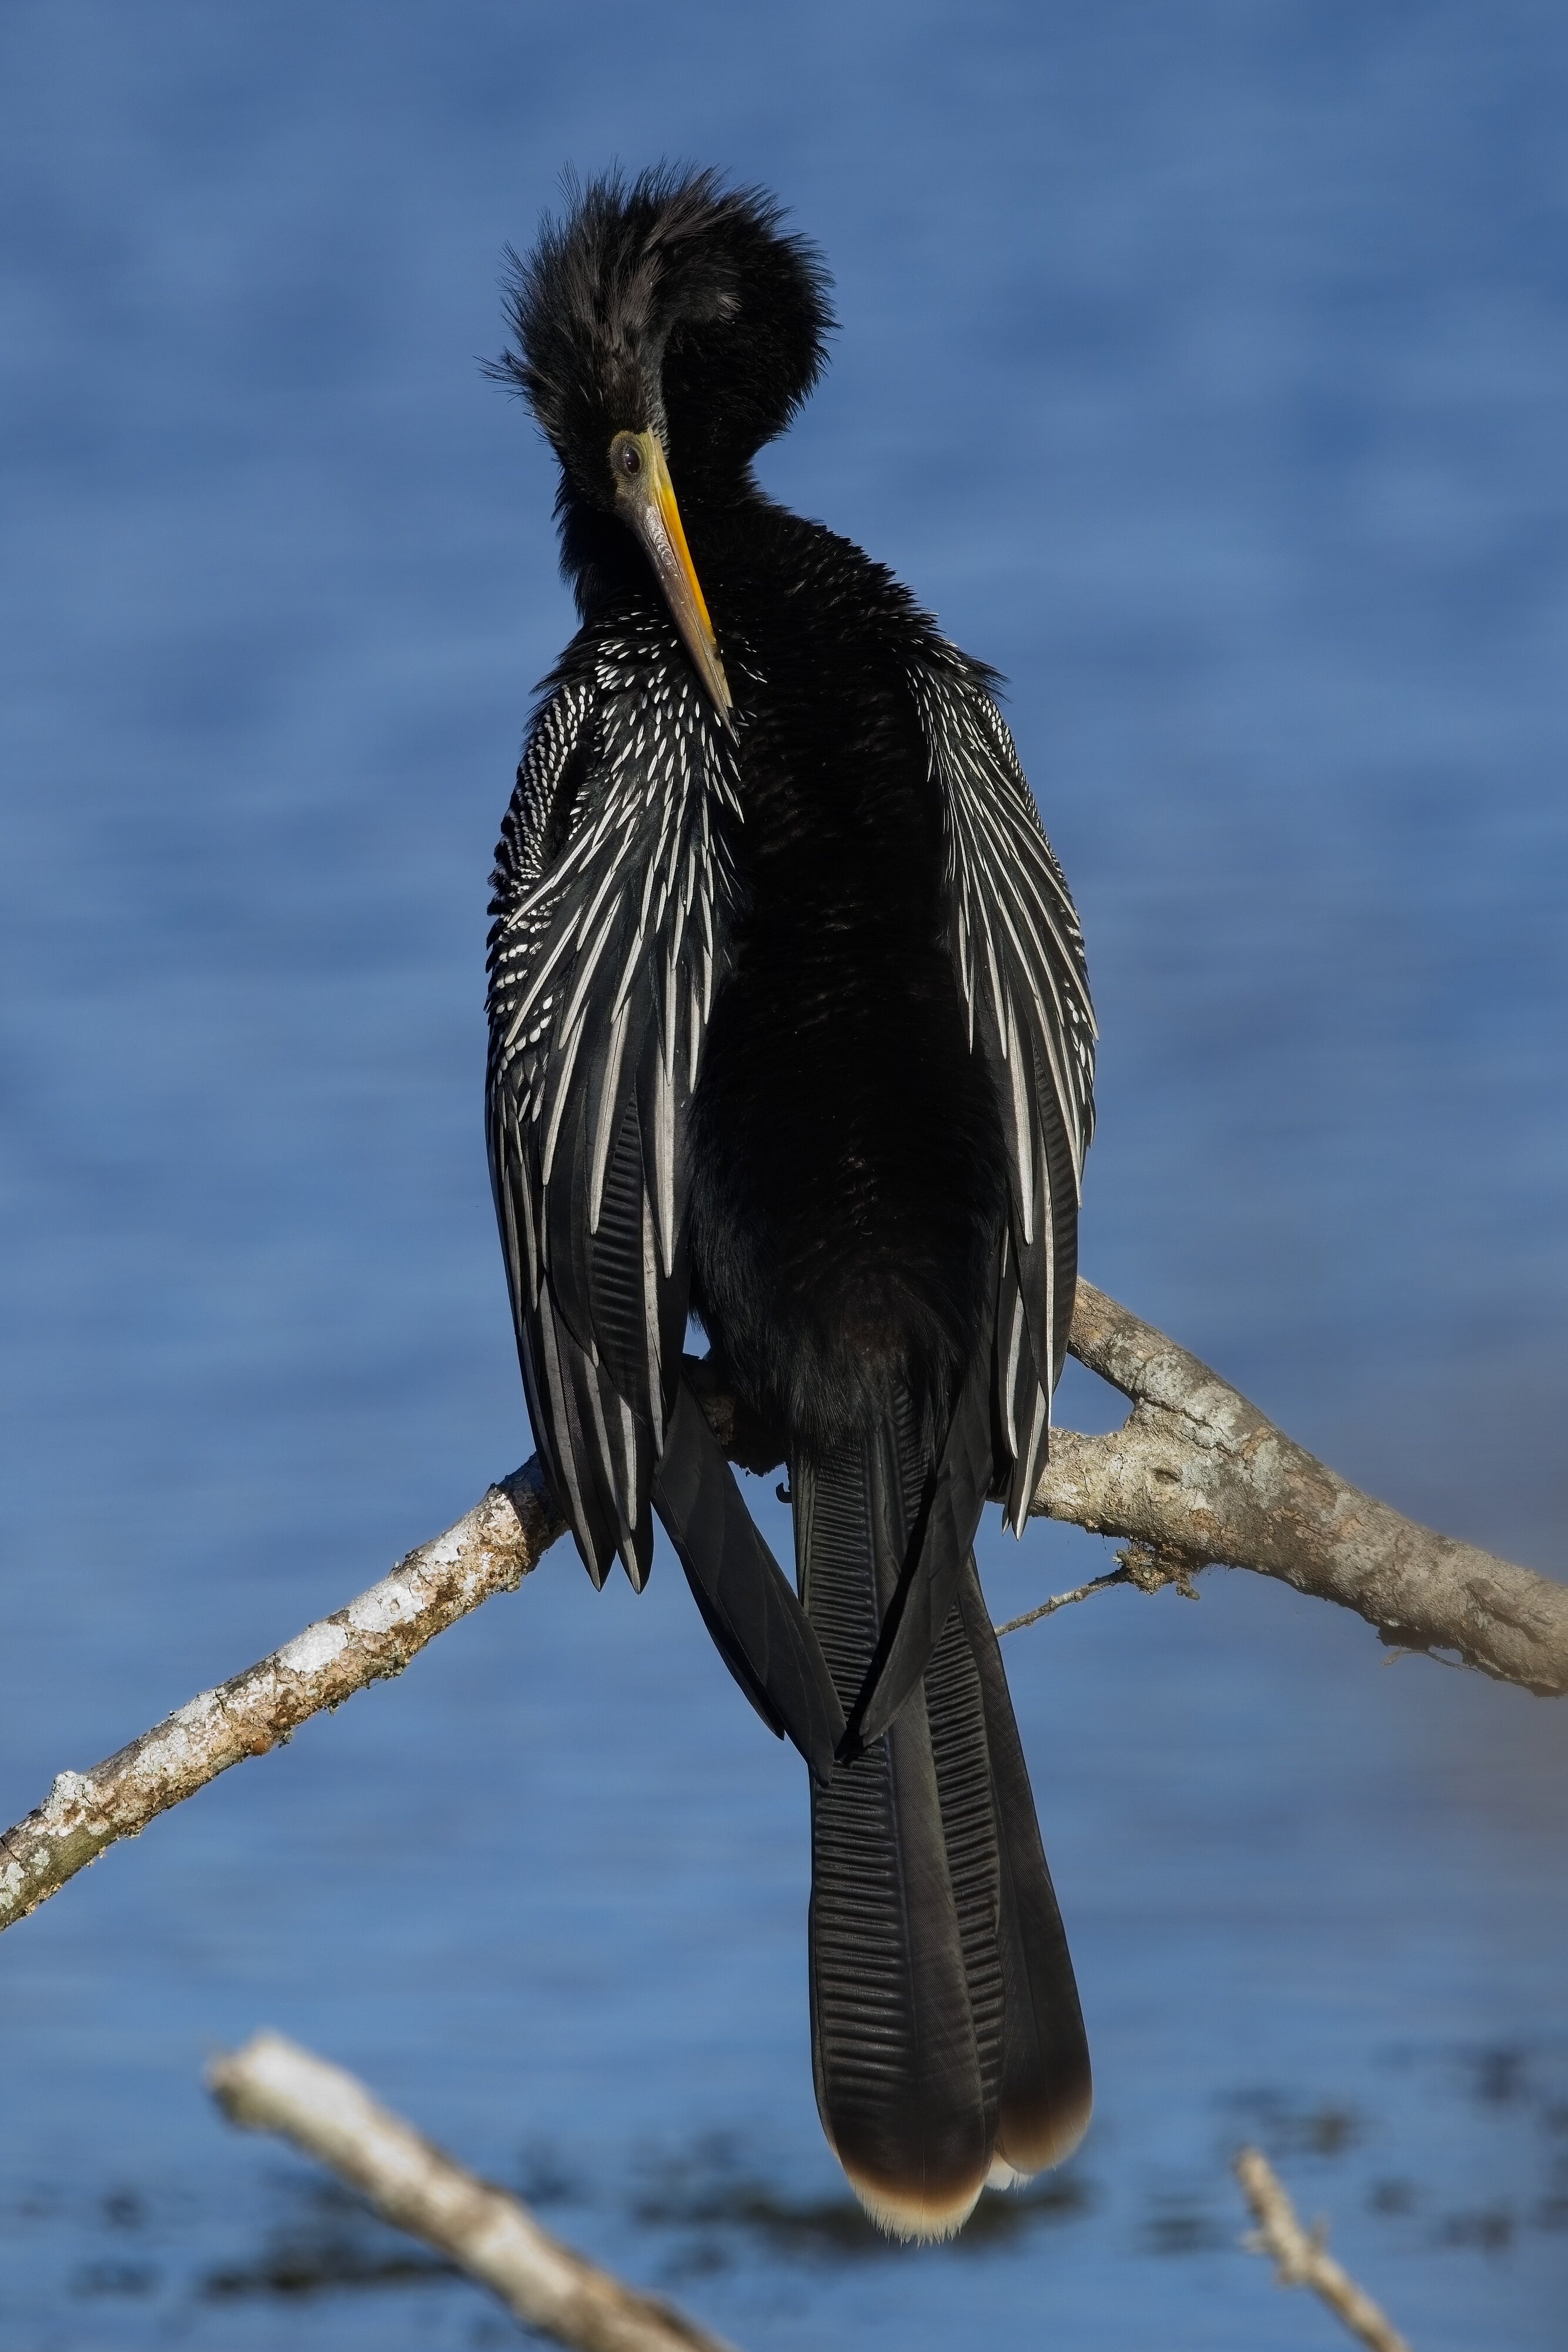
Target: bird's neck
<point>604,564</point>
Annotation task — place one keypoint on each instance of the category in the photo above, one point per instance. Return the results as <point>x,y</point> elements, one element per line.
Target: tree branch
<point>1196,1471</point>
<point>1196,1475</point>
<point>274,2086</point>
<point>1302,2257</point>
<point>488,1551</point>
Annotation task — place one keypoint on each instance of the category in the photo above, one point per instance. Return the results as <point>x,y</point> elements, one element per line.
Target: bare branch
<point>490,1550</point>
<point>1302,2258</point>
<point>273,2086</point>
<point>1196,1475</point>
<point>1065,1599</point>
<point>1197,1470</point>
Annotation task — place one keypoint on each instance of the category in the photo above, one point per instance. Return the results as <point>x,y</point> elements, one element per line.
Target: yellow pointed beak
<point>646,497</point>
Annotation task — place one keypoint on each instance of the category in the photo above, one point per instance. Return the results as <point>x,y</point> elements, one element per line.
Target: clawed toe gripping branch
<point>1195,1475</point>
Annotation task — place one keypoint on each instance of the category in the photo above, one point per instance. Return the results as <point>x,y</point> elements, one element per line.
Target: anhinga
<point>791,1031</point>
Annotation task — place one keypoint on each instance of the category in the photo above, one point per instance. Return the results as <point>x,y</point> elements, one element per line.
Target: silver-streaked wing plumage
<point>1018,954</point>
<point>612,887</point>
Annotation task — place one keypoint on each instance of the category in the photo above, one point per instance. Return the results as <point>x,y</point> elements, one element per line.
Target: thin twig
<point>1150,1567</point>
<point>1194,1474</point>
<point>274,2086</point>
<point>1302,2258</point>
<point>1064,1599</point>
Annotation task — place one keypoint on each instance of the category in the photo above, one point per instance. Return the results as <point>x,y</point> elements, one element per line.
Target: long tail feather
<point>898,2077</point>
<point>947,2043</point>
<point>1047,2090</point>
<point>927,1585</point>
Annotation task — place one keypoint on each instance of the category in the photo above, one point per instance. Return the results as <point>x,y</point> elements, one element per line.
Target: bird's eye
<point>626,458</point>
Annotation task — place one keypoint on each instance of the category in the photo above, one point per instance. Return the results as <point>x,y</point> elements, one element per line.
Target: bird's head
<point>664,327</point>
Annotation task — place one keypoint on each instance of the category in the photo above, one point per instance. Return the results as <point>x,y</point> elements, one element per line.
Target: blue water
<point>1205,369</point>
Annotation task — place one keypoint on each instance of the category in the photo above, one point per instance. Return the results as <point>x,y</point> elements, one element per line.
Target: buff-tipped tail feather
<point>902,2212</point>
<point>947,2043</point>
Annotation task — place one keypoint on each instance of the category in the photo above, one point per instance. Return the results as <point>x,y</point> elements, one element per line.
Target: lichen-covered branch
<point>1302,2258</point>
<point>274,2086</point>
<point>1197,1470</point>
<point>490,1550</point>
<point>1194,1474</point>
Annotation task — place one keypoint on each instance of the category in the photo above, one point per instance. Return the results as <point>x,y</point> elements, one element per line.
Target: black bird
<point>791,1031</point>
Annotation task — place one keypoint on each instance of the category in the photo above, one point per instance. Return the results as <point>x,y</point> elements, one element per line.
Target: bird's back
<point>847,1187</point>
<point>848,1202</point>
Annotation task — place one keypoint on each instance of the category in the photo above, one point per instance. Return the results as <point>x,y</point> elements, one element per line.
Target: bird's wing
<point>611,885</point>
<point>1018,954</point>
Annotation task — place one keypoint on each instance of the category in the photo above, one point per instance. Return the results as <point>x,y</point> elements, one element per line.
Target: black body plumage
<point>791,1030</point>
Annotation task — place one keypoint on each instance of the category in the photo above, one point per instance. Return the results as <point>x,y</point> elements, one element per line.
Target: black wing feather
<point>1018,954</point>
<point>613,886</point>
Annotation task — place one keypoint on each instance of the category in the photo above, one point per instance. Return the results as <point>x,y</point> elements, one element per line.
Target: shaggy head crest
<point>671,303</point>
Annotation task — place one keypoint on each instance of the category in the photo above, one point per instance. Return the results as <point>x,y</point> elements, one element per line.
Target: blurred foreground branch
<point>274,2086</point>
<point>1302,2258</point>
<point>1196,1475</point>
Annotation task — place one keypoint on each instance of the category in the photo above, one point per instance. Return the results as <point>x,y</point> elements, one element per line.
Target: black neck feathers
<point>671,303</point>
